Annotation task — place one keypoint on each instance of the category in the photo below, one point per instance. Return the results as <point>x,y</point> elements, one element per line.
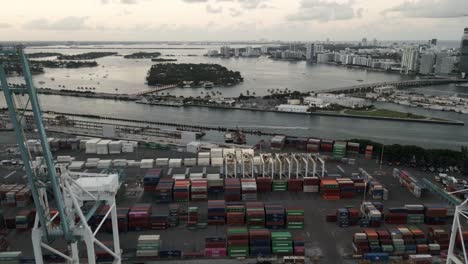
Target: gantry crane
<point>66,191</point>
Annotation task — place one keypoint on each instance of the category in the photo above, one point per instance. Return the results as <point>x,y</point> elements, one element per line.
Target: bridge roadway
<point>398,84</point>
<point>155,90</point>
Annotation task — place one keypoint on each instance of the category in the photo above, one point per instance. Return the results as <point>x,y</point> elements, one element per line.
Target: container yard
<point>279,210</point>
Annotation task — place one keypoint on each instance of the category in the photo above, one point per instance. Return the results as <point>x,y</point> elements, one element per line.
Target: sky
<point>232,20</point>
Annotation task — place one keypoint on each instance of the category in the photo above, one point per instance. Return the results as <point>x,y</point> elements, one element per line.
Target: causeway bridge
<point>155,90</point>
<point>398,84</point>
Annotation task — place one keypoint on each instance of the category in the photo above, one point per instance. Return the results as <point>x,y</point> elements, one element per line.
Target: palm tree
<point>253,93</point>
<point>247,92</point>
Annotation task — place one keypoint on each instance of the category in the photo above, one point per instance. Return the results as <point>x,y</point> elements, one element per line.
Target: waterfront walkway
<point>398,84</point>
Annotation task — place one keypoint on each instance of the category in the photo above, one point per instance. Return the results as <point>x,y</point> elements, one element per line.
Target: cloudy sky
<point>153,20</point>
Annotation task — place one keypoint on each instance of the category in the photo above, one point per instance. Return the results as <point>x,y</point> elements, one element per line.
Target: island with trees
<point>143,55</point>
<point>64,64</point>
<point>86,56</point>
<point>43,55</point>
<point>171,73</point>
<point>162,60</point>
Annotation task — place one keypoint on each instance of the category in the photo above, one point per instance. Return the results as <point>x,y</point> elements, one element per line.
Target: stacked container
<point>215,247</point>
<point>370,211</point>
<point>280,185</point>
<point>281,243</point>
<point>435,214</point>
<point>216,212</point>
<point>122,219</point>
<point>235,214</point>
<point>330,189</point>
<point>91,145</point>
<point>339,149</point>
<point>249,189</point>
<point>420,259</point>
<point>158,220</point>
<point>181,190</point>
<point>255,214</point>
<point>173,218</point>
<point>102,147</point>
<point>295,185</point>
<point>237,242</point>
<point>326,145</point>
<point>146,163</point>
<point>115,147</point>
<point>11,257</point>
<point>311,185</point>
<point>440,237</point>
<point>151,179</point>
<point>342,217</point>
<point>274,216</point>
<point>294,218</point>
<point>410,183</point>
<point>23,197</point>
<point>192,213</point>
<point>347,189</point>
<point>278,142</point>
<point>138,217</point>
<point>264,184</point>
<point>353,147</point>
<point>164,191</point>
<point>148,247</point>
<point>299,246</point>
<point>396,216</point>
<point>24,220</point>
<point>415,214</point>
<point>127,147</point>
<point>232,189</point>
<point>313,145</point>
<point>368,152</point>
<point>260,242</point>
<point>215,183</point>
<point>376,190</point>
<point>199,190</point>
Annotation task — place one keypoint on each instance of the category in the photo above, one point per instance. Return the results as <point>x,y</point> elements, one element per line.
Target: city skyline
<point>228,20</point>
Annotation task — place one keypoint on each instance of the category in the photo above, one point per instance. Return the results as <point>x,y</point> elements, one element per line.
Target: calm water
<point>260,74</point>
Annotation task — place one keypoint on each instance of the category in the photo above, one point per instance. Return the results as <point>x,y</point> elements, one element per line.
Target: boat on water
<point>208,85</point>
<point>360,80</point>
<point>462,85</point>
<point>235,137</point>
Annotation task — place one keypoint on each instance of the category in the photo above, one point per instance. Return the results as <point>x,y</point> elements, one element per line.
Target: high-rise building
<point>427,63</point>
<point>264,49</point>
<point>410,60</point>
<point>310,51</point>
<point>225,51</point>
<point>375,43</point>
<point>433,42</point>
<point>318,49</point>
<point>463,65</point>
<point>445,63</point>
<point>293,47</point>
<point>236,52</point>
<point>364,42</point>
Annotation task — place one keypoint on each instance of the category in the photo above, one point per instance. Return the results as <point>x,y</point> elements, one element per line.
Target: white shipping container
<point>76,165</point>
<point>193,147</point>
<point>216,153</point>
<point>162,162</point>
<point>175,163</point>
<point>115,147</point>
<point>102,147</point>
<point>217,161</point>
<point>119,163</point>
<point>64,159</point>
<point>91,145</point>
<point>203,161</point>
<point>203,155</point>
<point>104,164</point>
<point>190,161</point>
<point>196,175</point>
<point>146,163</point>
<point>133,163</point>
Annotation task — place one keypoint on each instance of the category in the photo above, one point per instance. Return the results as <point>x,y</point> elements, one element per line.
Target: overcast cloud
<point>149,20</point>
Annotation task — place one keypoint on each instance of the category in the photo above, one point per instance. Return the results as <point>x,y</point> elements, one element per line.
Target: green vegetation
<point>163,60</point>
<point>417,156</point>
<point>64,64</point>
<point>171,73</point>
<point>383,113</point>
<point>43,55</point>
<point>86,56</point>
<point>143,55</point>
